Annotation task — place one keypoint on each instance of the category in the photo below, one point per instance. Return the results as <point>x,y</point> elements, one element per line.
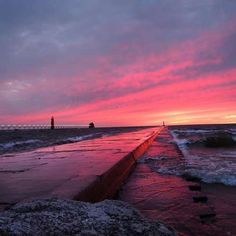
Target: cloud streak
<point>117,63</point>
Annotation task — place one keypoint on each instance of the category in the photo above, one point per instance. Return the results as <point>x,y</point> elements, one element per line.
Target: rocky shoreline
<point>67,217</point>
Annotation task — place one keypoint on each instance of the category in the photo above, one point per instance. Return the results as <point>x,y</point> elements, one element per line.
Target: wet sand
<point>21,139</point>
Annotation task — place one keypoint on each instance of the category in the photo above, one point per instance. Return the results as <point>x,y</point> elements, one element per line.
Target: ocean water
<point>7,146</point>
<point>18,140</point>
<point>211,165</point>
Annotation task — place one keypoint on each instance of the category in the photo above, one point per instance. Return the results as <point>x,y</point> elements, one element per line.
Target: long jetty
<point>37,126</point>
<point>91,170</point>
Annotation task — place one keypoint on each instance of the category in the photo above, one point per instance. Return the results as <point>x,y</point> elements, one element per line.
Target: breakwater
<point>90,170</point>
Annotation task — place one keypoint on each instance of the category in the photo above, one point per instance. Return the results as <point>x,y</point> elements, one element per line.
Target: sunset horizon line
<point>66,125</point>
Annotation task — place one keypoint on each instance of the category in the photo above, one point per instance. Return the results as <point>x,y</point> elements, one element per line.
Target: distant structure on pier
<point>91,125</point>
<point>52,123</point>
<point>164,123</point>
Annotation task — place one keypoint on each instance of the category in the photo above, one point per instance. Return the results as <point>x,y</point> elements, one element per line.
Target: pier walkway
<point>190,206</point>
<point>90,170</point>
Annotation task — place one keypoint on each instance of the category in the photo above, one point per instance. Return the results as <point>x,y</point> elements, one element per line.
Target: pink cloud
<point>177,85</point>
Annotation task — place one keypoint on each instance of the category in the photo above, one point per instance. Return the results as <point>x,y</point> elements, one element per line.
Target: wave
<point>233,132</point>
<point>10,145</point>
<point>208,171</point>
<point>19,145</point>
<point>75,139</point>
<point>210,166</point>
<point>80,138</point>
<point>197,131</point>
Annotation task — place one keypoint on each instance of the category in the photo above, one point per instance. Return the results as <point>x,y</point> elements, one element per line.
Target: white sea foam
<point>10,145</point>
<point>212,166</point>
<point>80,138</point>
<point>197,131</point>
<point>233,132</point>
<point>180,142</point>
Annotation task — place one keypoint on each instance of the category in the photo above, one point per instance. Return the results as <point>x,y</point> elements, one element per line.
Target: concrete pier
<point>190,206</point>
<point>90,170</point>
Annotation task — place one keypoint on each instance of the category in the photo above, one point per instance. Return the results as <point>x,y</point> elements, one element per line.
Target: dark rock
<point>207,218</point>
<point>195,187</point>
<point>202,199</point>
<point>221,139</point>
<point>91,125</point>
<point>68,217</point>
<point>188,177</point>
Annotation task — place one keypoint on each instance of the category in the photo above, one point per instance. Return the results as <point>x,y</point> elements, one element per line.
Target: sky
<point>117,63</point>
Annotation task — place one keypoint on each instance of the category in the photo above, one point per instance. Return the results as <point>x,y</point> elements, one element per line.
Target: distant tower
<point>52,123</point>
<point>91,125</point>
<point>164,123</point>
